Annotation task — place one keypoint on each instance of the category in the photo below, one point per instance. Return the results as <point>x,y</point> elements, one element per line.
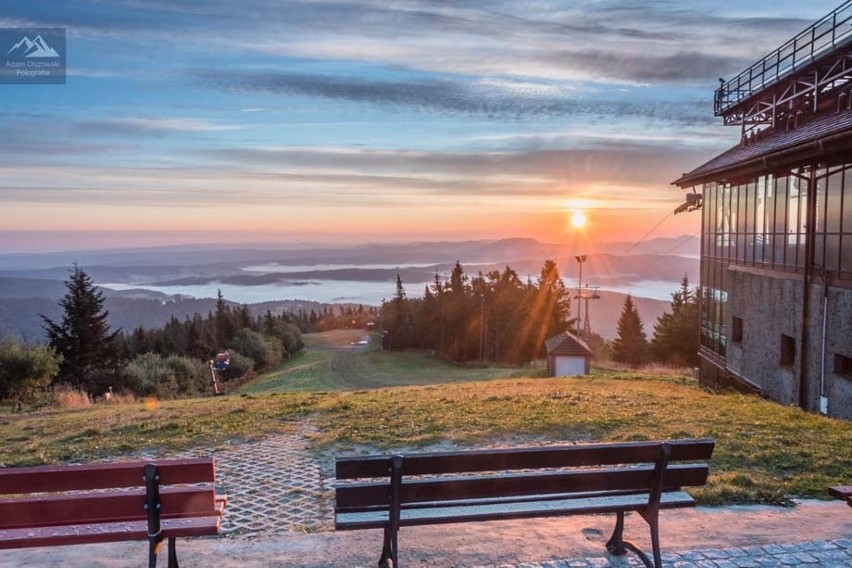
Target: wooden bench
<point>393,491</point>
<point>79,504</point>
<point>842,492</point>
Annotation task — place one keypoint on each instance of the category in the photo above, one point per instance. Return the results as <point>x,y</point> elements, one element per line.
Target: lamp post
<point>580,260</point>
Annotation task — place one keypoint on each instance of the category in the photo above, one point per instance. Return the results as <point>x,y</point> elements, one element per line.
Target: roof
<point>567,344</point>
<point>825,135</point>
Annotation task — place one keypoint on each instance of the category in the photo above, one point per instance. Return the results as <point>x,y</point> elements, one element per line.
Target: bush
<point>153,375</point>
<point>66,396</point>
<point>25,370</point>
<point>240,367</point>
<point>289,336</point>
<point>264,351</point>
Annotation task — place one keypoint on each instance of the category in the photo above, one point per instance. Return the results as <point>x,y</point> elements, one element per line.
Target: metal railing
<point>828,33</point>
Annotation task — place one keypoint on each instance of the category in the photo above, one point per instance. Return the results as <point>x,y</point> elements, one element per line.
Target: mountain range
<point>31,284</point>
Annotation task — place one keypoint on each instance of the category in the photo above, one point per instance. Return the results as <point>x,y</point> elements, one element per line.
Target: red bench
<point>842,492</point>
<point>80,504</point>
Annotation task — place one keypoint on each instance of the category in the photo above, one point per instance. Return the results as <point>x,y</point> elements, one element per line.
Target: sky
<point>356,121</point>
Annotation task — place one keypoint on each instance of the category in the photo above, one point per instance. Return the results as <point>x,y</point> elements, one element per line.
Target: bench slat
<point>841,492</point>
<point>103,507</point>
<point>580,455</point>
<point>355,496</point>
<point>449,513</point>
<point>101,476</point>
<point>106,532</point>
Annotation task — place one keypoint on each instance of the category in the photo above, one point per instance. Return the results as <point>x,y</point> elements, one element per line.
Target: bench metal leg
<point>615,544</point>
<point>173,561</point>
<point>652,517</point>
<point>386,560</point>
<point>154,545</point>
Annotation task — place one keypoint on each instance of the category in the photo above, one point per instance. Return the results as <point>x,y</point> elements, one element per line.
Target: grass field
<point>765,452</point>
<point>332,363</point>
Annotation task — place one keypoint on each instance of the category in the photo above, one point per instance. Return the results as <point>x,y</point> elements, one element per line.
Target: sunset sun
<point>578,219</point>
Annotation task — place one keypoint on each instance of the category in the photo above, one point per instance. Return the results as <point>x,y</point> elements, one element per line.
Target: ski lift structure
<point>217,365</point>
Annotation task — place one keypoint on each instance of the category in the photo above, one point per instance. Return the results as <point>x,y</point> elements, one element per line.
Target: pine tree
<point>675,338</point>
<point>631,345</point>
<point>83,337</point>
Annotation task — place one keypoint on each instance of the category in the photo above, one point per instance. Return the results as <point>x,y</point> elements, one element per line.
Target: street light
<point>580,260</point>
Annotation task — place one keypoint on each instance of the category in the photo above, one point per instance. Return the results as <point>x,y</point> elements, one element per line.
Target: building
<point>567,355</point>
<point>776,260</point>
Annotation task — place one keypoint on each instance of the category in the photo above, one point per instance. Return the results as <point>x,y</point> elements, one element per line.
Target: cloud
<point>498,100</point>
<point>609,40</point>
<point>154,125</point>
<point>337,176</point>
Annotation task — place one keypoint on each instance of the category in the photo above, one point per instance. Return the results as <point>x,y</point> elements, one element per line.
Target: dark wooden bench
<point>842,492</point>
<point>393,491</point>
<point>80,504</point>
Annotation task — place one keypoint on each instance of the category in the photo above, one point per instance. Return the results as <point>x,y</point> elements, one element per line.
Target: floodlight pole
<point>581,258</point>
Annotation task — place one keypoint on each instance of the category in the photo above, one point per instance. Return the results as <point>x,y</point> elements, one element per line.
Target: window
<point>842,365</point>
<point>737,330</point>
<point>788,350</point>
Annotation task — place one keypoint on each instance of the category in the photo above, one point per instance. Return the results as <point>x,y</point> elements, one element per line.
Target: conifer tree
<point>631,345</point>
<point>675,338</point>
<point>90,360</point>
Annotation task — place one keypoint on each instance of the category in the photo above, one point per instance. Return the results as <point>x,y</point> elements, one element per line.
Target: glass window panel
<point>781,205</point>
<point>760,212</point>
<point>743,192</point>
<point>751,192</point>
<point>847,202</point>
<point>820,205</point>
<point>741,247</point>
<point>768,246</point>
<point>832,253</point>
<point>769,207</point>
<point>780,247</point>
<point>819,249</point>
<point>833,207</point>
<point>846,254</point>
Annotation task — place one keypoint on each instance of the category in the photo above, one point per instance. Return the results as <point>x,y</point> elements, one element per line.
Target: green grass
<point>765,452</point>
<point>332,364</point>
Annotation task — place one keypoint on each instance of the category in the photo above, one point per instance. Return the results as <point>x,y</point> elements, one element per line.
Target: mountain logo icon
<point>33,48</point>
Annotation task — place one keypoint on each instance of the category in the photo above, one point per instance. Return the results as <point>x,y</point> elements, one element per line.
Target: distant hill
<point>31,284</point>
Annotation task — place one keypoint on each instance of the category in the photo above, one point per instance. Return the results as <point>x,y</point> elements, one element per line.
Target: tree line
<point>494,316</point>
<point>85,354</point>
<point>497,317</point>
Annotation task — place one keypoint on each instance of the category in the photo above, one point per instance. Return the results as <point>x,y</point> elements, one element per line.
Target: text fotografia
<point>32,56</point>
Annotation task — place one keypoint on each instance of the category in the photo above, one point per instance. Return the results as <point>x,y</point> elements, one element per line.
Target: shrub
<point>25,370</point>
<point>289,336</point>
<point>264,351</point>
<point>66,396</point>
<point>240,366</point>
<point>166,377</point>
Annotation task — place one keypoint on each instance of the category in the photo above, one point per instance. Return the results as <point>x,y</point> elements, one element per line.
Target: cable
<point>683,242</point>
<point>654,228</point>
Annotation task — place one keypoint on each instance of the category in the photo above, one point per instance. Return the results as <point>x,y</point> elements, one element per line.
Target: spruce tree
<point>631,345</point>
<point>90,360</point>
<point>675,338</point>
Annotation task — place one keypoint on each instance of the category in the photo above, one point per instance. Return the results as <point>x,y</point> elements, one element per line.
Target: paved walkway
<point>823,553</point>
<point>280,513</point>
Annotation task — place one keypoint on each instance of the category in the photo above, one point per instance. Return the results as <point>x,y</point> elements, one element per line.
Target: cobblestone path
<point>274,486</point>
